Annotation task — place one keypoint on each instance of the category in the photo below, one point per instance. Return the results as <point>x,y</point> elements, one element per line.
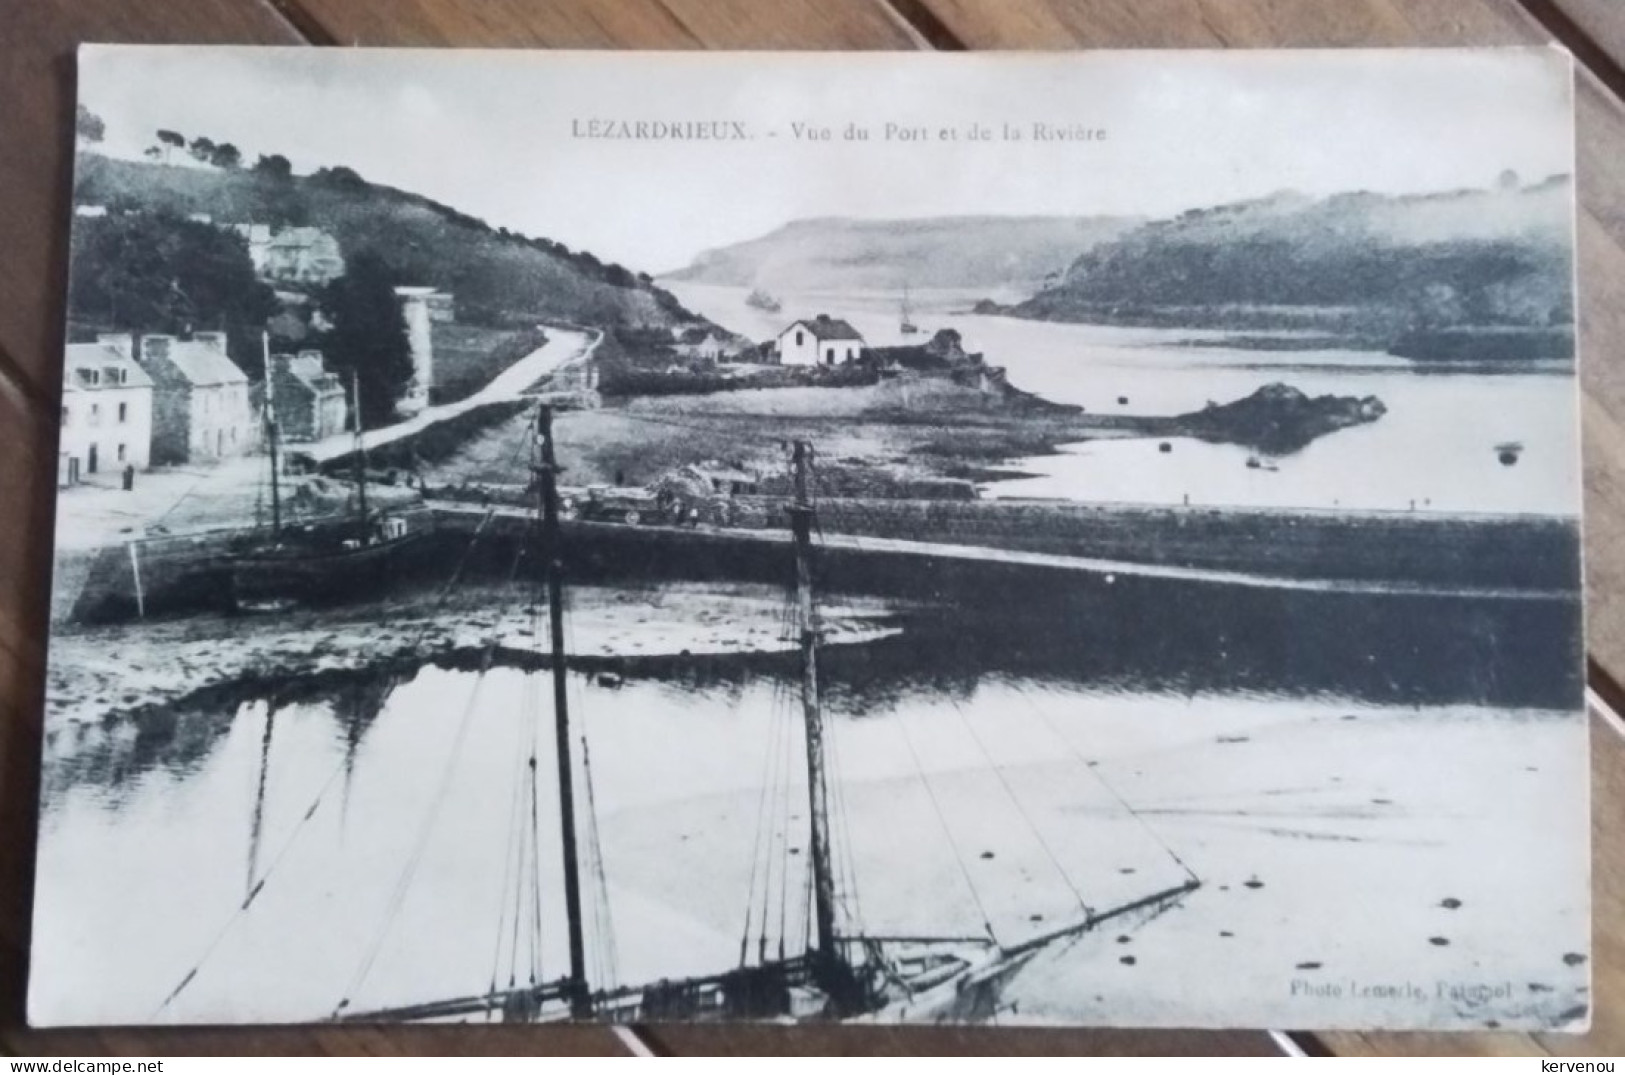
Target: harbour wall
<point>1499,555</point>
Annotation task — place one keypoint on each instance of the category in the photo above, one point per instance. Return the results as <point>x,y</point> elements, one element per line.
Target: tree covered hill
<point>1358,262</point>
<point>496,276</point>
<point>838,253</point>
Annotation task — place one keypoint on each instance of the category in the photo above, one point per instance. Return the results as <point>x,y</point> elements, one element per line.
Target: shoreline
<point>89,684</point>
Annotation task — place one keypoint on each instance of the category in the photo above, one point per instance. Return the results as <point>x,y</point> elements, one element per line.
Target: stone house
<point>820,341</point>
<point>293,255</point>
<point>309,402</point>
<point>201,408</point>
<point>106,410</point>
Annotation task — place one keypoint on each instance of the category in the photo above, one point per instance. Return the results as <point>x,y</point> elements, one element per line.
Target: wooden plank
<point>1600,246</point>
<point>1017,24</point>
<point>647,24</point>
<point>1601,21</point>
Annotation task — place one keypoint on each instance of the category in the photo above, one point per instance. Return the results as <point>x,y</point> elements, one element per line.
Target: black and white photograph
<point>1004,539</point>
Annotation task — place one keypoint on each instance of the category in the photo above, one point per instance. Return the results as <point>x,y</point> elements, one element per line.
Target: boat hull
<point>278,578</point>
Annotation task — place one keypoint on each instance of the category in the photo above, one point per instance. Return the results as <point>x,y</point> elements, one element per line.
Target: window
<point>90,377</point>
<point>64,416</point>
<point>95,413</point>
<point>798,337</point>
<point>123,414</point>
<point>121,453</point>
<point>829,355</point>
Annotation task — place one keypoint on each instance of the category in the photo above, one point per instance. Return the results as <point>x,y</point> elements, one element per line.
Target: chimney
<point>822,317</point>
<point>216,340</point>
<point>122,342</point>
<point>155,347</point>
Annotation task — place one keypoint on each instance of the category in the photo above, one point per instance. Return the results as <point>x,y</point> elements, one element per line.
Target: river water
<point>1374,792</point>
<point>988,776</point>
<point>1435,449</point>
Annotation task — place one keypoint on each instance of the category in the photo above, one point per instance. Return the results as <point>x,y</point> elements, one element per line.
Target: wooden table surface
<point>36,135</point>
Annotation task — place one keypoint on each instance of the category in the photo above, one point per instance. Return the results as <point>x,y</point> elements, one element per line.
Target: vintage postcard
<point>1014,539</point>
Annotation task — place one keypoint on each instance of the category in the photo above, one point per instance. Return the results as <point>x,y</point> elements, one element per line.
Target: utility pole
<point>547,492</point>
<point>801,516</point>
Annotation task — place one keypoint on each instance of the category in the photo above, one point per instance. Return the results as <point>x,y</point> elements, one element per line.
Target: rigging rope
<point>758,849</point>
<point>603,926</point>
<point>998,771</point>
<point>942,819</point>
<point>409,871</point>
<point>510,853</point>
<point>785,858</point>
<point>1094,771</point>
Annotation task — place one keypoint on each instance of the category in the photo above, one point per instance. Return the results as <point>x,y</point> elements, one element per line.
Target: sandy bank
<point>104,672</point>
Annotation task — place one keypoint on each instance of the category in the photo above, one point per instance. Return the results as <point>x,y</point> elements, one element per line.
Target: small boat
<point>906,313</point>
<point>306,566</point>
<point>293,565</point>
<point>761,300</point>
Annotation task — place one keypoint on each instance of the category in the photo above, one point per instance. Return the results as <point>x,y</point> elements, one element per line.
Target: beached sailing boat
<point>906,315</point>
<point>292,564</point>
<point>843,973</point>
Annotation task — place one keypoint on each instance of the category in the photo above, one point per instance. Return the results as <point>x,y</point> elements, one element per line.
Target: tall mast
<point>271,435</point>
<point>360,455</point>
<point>801,515</point>
<point>548,493</point>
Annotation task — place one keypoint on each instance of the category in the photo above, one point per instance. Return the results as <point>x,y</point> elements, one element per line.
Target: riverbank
<point>886,438</point>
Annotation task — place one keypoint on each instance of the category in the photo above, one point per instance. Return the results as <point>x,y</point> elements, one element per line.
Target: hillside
<point>497,277</point>
<point>835,253</point>
<point>1360,263</point>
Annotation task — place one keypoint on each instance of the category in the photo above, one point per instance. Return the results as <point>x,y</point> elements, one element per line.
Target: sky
<point>497,134</point>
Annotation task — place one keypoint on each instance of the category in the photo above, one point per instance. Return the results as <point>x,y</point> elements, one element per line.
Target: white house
<point>106,412</point>
<point>821,341</point>
<point>713,347</point>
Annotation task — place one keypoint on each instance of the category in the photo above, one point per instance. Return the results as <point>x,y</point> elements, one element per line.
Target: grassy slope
<point>496,278</point>
<point>467,357</point>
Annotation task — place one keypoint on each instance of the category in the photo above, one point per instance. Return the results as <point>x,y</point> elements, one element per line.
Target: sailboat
<point>906,315</point>
<point>842,974</point>
<point>288,565</point>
